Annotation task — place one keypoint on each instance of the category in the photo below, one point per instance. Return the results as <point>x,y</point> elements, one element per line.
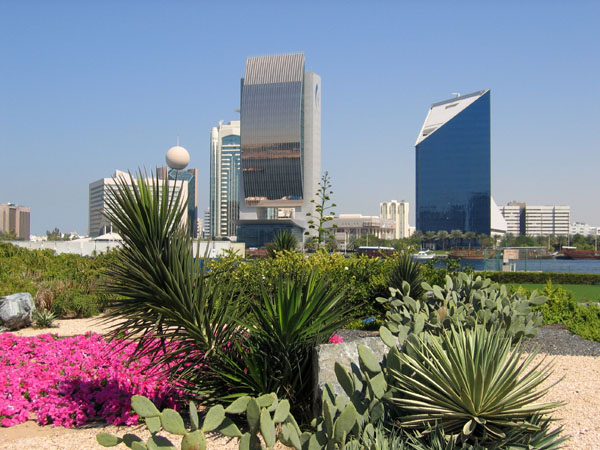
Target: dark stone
<point>16,311</point>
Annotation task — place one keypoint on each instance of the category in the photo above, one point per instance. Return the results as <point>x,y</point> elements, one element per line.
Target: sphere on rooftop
<point>177,157</point>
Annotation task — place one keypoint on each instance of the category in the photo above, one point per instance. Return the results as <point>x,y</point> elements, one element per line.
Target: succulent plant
<point>463,301</point>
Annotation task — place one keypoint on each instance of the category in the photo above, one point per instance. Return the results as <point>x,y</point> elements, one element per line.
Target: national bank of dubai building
<point>280,147</point>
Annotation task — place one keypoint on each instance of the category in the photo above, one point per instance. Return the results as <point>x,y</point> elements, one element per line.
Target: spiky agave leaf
<point>163,297</point>
<point>471,382</point>
<point>409,270</point>
<point>283,329</point>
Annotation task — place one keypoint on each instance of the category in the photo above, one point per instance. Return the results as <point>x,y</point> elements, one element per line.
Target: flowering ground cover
<point>70,381</point>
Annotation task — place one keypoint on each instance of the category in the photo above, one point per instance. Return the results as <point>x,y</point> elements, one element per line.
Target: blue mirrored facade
<point>453,180</point>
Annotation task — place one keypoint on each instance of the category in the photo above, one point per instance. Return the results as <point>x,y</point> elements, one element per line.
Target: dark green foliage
<point>282,241</point>
<point>275,353</point>
<point>363,278</point>
<point>72,280</point>
<point>77,304</point>
<point>580,319</point>
<point>542,277</point>
<point>404,268</point>
<point>162,293</point>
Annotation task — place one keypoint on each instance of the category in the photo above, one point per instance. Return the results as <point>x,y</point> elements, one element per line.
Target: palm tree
<point>456,235</point>
<point>417,236</point>
<point>470,235</point>
<point>442,235</point>
<point>430,236</point>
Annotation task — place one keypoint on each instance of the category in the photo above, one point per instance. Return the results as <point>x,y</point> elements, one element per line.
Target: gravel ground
<point>576,364</point>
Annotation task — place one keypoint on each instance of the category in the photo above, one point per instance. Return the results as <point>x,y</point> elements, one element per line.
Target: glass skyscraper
<point>225,177</point>
<point>453,154</point>
<point>280,146</point>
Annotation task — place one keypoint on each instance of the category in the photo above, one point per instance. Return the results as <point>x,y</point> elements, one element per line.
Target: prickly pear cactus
<point>171,421</point>
<point>464,300</point>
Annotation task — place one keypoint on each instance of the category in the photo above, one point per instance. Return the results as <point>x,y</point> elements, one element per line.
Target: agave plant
<point>282,241</point>
<point>471,382</point>
<point>282,330</point>
<point>409,270</point>
<point>163,297</point>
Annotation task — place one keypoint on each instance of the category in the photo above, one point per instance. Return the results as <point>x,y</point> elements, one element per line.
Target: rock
<point>346,353</point>
<point>16,311</point>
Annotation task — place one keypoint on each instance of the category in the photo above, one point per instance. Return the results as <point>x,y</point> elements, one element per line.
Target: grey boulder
<point>16,311</point>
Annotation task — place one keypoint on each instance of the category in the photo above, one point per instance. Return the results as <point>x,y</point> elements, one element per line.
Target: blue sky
<point>90,87</point>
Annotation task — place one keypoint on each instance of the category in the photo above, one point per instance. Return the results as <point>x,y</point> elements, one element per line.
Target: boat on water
<point>573,253</point>
<point>423,255</point>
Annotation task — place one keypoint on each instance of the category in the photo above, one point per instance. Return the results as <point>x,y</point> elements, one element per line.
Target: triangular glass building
<point>453,154</point>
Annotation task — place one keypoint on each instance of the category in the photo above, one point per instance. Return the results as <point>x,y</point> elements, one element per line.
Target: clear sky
<point>87,87</point>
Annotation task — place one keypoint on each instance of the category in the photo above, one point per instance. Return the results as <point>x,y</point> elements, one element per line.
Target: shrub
<point>561,308</point>
<point>275,352</point>
<point>71,304</point>
<point>47,276</point>
<point>542,277</point>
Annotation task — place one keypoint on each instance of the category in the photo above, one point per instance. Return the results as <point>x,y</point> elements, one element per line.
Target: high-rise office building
<point>537,220</point>
<point>101,190</point>
<point>280,147</point>
<point>453,154</point>
<point>547,220</point>
<point>397,212</point>
<point>225,177</point>
<point>15,220</point>
<point>191,177</point>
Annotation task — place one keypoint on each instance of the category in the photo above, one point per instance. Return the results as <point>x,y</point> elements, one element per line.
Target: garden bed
<point>575,360</point>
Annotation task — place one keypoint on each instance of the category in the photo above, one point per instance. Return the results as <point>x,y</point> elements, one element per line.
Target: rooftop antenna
<point>177,141</point>
<point>456,94</point>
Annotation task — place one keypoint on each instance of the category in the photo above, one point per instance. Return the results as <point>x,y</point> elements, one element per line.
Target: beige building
<point>15,219</point>
<point>349,226</point>
<point>397,212</point>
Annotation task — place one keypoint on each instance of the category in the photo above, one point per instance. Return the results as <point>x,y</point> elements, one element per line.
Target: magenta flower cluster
<point>336,339</point>
<point>70,381</point>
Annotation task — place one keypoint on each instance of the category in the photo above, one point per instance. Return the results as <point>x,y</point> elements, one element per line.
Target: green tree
<point>430,236</point>
<point>470,235</point>
<point>54,235</point>
<point>456,235</point>
<point>442,235</point>
<point>323,213</point>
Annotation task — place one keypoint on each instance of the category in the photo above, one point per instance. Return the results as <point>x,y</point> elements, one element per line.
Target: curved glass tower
<point>280,146</point>
<point>453,154</point>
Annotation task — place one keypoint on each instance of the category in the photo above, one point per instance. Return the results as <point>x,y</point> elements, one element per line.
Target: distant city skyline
<point>90,87</point>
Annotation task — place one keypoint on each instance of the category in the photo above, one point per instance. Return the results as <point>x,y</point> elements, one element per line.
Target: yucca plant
<point>282,330</point>
<point>163,297</point>
<point>471,382</point>
<point>406,269</point>
<point>282,241</point>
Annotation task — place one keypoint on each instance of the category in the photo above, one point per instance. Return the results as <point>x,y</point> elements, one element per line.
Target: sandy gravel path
<point>576,361</point>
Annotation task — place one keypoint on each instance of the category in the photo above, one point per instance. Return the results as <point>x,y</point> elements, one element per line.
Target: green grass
<point>582,293</point>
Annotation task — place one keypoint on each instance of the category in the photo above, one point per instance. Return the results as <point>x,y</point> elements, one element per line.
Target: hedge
<point>543,277</point>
